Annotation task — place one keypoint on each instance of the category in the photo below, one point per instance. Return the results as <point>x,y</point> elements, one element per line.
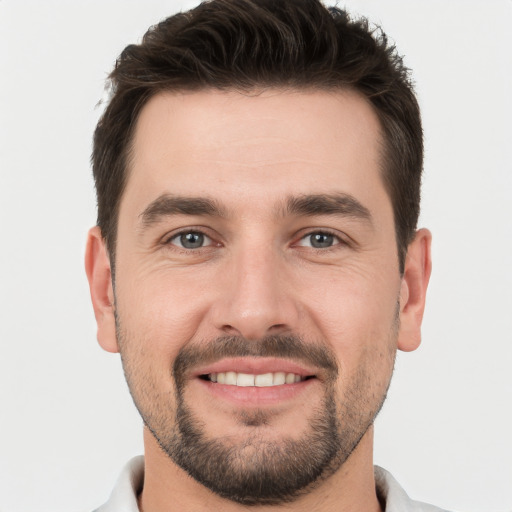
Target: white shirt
<point>129,485</point>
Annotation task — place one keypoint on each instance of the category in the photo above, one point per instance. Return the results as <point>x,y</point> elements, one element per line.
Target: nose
<point>257,297</point>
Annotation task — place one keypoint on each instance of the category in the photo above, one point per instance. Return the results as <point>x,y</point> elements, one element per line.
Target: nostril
<point>277,327</point>
<point>229,329</point>
<point>255,332</point>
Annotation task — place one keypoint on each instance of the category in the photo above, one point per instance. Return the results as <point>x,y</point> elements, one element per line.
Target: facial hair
<point>257,470</point>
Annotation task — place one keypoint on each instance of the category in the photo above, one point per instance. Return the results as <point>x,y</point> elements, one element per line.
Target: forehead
<point>276,143</point>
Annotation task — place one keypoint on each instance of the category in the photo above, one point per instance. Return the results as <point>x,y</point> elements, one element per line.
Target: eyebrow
<point>308,205</point>
<point>167,205</point>
<point>327,204</point>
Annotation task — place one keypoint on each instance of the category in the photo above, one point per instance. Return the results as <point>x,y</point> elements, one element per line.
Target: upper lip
<point>255,366</point>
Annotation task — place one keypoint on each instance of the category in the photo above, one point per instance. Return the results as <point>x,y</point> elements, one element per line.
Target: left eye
<point>191,240</point>
<point>319,240</point>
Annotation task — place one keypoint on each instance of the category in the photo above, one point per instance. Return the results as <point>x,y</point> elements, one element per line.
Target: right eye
<point>191,240</point>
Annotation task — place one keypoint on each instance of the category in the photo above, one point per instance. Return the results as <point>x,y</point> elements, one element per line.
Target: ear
<point>418,265</point>
<point>97,268</point>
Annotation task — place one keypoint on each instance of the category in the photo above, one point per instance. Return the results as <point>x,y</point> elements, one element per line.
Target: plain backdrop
<point>67,423</point>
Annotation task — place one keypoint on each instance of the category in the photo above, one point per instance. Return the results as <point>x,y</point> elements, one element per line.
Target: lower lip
<point>256,396</point>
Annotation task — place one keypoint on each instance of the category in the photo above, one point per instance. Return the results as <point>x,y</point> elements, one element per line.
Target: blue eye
<point>319,240</point>
<point>191,240</point>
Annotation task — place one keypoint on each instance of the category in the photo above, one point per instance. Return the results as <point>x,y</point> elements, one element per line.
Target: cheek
<point>350,309</point>
<point>357,317</point>
<point>160,313</point>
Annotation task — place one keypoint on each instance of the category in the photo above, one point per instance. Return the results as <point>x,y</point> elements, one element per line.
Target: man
<point>256,261</point>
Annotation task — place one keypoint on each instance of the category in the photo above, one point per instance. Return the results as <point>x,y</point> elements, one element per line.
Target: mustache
<point>283,346</point>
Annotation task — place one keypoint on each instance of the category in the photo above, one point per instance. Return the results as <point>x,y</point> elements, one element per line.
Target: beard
<point>257,470</point>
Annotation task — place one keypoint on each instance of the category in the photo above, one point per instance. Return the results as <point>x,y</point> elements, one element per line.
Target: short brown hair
<point>247,44</point>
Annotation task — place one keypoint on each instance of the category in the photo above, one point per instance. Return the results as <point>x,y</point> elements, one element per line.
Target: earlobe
<point>98,270</point>
<point>418,266</point>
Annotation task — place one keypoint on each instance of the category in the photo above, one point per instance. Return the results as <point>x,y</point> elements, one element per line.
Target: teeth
<point>290,378</point>
<point>249,380</point>
<point>245,380</point>
<point>264,380</point>
<point>230,378</point>
<point>279,378</point>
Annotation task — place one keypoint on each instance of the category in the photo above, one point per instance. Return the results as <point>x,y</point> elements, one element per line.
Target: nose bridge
<point>256,300</point>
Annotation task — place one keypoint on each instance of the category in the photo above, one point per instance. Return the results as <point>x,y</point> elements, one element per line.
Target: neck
<point>167,487</point>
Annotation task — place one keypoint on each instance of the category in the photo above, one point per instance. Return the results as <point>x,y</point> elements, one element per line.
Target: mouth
<point>255,381</point>
<point>260,380</point>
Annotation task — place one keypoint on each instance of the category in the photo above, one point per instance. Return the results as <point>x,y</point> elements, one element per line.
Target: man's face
<point>257,291</point>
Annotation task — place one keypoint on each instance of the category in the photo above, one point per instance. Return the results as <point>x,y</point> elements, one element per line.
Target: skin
<point>259,275</point>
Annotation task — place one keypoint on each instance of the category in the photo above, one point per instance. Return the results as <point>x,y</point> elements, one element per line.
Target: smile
<point>254,380</point>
